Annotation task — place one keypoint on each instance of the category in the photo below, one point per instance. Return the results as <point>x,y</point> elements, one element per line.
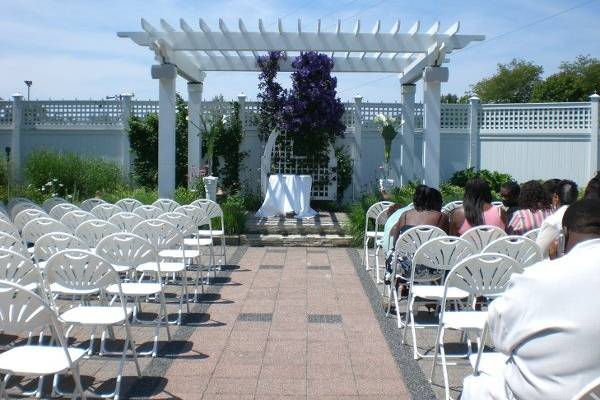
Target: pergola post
<point>15,142</point>
<point>166,75</point>
<point>357,148</point>
<point>194,132</point>
<point>474,159</point>
<point>125,145</point>
<point>594,122</point>
<point>432,79</point>
<point>409,164</point>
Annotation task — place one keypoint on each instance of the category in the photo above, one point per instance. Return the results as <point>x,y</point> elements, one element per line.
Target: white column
<point>432,79</point>
<point>474,159</point>
<point>194,132</point>
<point>242,103</point>
<point>15,143</point>
<point>595,122</point>
<point>409,165</point>
<point>357,148</point>
<point>125,146</point>
<point>166,75</point>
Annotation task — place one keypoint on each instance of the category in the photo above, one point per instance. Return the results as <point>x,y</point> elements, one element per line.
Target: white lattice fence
<point>454,117</point>
<point>370,110</point>
<point>65,113</point>
<point>6,108</point>
<point>419,115</point>
<point>141,108</point>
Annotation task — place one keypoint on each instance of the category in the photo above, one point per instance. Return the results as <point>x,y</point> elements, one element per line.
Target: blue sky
<point>69,49</point>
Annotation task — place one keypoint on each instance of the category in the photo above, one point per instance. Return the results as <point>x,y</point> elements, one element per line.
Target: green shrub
<point>451,193</point>
<point>185,196</point>
<point>356,218</point>
<point>494,178</point>
<point>252,201</point>
<point>66,174</point>
<point>234,214</point>
<point>144,195</point>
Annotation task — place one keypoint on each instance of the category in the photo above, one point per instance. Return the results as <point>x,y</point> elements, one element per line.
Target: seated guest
<point>546,321</point>
<point>592,190</point>
<point>509,194</point>
<point>394,213</point>
<point>477,209</point>
<point>565,194</point>
<point>550,187</point>
<point>534,206</point>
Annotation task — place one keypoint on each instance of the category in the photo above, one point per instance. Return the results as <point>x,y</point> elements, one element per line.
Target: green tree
<point>513,83</point>
<point>575,81</point>
<point>451,98</point>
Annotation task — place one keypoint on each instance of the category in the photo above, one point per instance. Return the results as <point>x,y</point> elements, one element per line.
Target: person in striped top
<point>535,206</point>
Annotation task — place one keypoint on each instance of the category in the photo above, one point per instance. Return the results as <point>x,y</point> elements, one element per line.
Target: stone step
<point>323,224</point>
<point>296,240</point>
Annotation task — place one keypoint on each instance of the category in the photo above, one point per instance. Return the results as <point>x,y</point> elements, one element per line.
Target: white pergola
<point>191,52</point>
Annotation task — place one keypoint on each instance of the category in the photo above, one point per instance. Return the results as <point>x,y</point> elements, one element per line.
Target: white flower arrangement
<point>385,120</point>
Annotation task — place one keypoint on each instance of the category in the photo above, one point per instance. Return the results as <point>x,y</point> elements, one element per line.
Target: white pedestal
<point>386,184</point>
<point>210,187</point>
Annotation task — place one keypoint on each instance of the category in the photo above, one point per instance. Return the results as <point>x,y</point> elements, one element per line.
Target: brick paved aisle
<point>289,323</point>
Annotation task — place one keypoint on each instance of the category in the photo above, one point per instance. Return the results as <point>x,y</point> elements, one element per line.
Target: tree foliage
<point>575,81</point>
<point>513,83</point>
<point>451,98</point>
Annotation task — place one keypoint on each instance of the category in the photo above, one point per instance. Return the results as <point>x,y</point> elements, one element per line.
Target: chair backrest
<point>148,212</point>
<point>441,253</point>
<point>25,205</point>
<point>197,214</point>
<point>80,270</point>
<point>8,227</point>
<point>51,202</point>
<point>74,218</point>
<point>10,242</point>
<point>92,231</point>
<point>481,236</point>
<point>497,203</point>
<point>27,215</point>
<point>409,241</point>
<point>166,205</point>
<point>533,234</point>
<point>105,210</point>
<point>184,223</point>
<point>4,215</point>
<point>18,268</point>
<point>38,227</point>
<point>375,210</point>
<point>453,205</point>
<point>22,311</point>
<point>524,250</point>
<point>210,207</point>
<point>128,249</point>
<point>128,204</point>
<point>17,200</point>
<point>89,204</point>
<point>51,243</point>
<point>59,210</point>
<point>161,234</point>
<point>126,221</point>
<point>590,392</point>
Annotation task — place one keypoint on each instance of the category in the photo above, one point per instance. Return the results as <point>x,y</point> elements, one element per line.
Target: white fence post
<point>594,124</point>
<point>15,143</point>
<point>242,103</point>
<point>126,112</point>
<point>357,148</point>
<point>474,159</point>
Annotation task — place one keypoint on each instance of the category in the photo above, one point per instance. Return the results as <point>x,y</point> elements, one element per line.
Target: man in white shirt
<point>564,195</point>
<point>547,321</point>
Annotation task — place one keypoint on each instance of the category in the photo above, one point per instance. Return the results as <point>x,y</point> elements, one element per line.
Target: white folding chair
<point>125,220</point>
<point>148,212</point>
<point>10,242</point>
<point>164,235</point>
<point>373,213</point>
<point>9,228</point>
<point>132,251</point>
<point>453,205</point>
<point>51,202</point>
<point>17,200</point>
<point>73,219</point>
<point>590,391</point>
<point>27,215</point>
<point>38,227</point>
<point>89,204</point>
<point>479,275</point>
<point>404,250</point>
<point>481,236</point>
<point>524,250</point>
<point>166,205</point>
<point>213,211</point>
<point>435,257</point>
<point>128,204</point>
<point>59,210</point>
<point>23,205</point>
<point>92,231</point>
<point>22,312</point>
<point>197,242</point>
<point>533,234</point>
<point>4,215</point>
<point>381,220</point>
<point>51,243</point>
<point>79,269</point>
<point>105,210</point>
<point>17,268</point>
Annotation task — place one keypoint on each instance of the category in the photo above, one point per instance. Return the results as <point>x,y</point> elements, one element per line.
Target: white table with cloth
<point>286,194</point>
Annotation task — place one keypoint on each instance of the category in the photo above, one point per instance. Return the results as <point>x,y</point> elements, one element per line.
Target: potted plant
<point>388,126</point>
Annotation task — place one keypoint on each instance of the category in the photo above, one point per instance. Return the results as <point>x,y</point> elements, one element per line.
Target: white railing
<point>73,113</point>
<point>6,113</point>
<point>535,118</point>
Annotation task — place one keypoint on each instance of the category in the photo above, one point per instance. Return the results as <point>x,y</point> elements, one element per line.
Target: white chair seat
<point>165,267</point>
<point>60,289</point>
<point>96,315</point>
<point>491,363</point>
<point>373,234</point>
<point>473,320</point>
<point>121,268</point>
<point>175,253</point>
<point>136,288</point>
<point>37,360</point>
<point>437,292</point>
<point>206,232</point>
<point>192,242</point>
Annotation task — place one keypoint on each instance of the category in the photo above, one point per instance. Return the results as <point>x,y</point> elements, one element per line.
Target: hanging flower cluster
<point>388,131</point>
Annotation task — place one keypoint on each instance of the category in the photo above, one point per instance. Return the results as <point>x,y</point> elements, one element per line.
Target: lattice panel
<point>349,115</point>
<point>6,113</point>
<point>536,118</point>
<point>142,108</point>
<point>370,110</point>
<point>454,117</point>
<point>83,112</point>
<point>283,161</point>
<point>251,114</point>
<point>419,115</point>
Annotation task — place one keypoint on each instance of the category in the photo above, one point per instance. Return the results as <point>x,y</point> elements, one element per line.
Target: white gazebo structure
<point>190,52</point>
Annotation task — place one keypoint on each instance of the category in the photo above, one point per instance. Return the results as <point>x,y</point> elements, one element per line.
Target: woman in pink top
<point>535,206</point>
<point>477,209</point>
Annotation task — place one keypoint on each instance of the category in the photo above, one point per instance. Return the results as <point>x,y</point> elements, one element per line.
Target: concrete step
<point>325,223</point>
<point>296,240</point>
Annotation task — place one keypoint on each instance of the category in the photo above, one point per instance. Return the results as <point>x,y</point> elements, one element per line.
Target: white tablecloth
<point>286,194</point>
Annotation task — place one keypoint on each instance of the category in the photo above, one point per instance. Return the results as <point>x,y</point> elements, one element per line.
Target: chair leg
<point>133,350</point>
<point>435,352</point>
<point>397,305</point>
<point>3,394</point>
<point>78,388</point>
<point>444,367</point>
<point>366,255</point>
<point>377,280</point>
